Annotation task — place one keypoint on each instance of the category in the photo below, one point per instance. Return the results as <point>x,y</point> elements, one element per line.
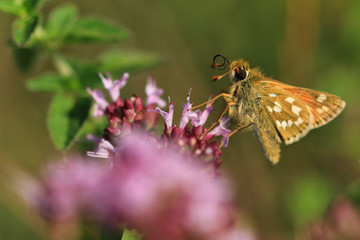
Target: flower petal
<point>99,97</point>
<point>101,103</point>
<point>153,93</point>
<point>202,116</point>
<point>221,130</point>
<point>168,116</point>
<point>107,82</point>
<point>187,114</point>
<point>114,87</point>
<point>105,148</point>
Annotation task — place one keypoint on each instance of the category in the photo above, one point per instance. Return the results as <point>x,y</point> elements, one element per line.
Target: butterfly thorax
<point>245,97</point>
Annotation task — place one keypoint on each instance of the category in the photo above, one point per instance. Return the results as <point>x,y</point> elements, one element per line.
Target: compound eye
<point>240,74</point>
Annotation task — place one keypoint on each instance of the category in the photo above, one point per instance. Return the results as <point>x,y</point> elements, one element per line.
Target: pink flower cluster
<point>160,186</point>
<point>127,115</point>
<point>159,193</point>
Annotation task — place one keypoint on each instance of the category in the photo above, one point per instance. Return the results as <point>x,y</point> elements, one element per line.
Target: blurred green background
<point>308,43</point>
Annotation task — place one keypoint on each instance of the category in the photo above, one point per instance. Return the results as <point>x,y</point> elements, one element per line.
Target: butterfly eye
<point>240,74</point>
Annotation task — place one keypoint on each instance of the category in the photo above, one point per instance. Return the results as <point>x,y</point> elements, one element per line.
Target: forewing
<point>323,106</point>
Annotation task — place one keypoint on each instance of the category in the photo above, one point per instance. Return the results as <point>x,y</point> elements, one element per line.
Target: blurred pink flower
<point>159,193</point>
<point>68,189</point>
<point>167,197</point>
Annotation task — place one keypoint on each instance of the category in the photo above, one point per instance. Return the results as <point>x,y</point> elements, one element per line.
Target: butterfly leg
<point>211,101</point>
<point>240,128</point>
<point>217,121</point>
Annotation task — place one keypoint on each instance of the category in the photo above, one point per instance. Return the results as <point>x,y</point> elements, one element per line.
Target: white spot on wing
<point>296,109</point>
<point>278,123</point>
<point>299,121</point>
<point>322,97</point>
<point>277,107</point>
<point>290,123</point>
<point>325,108</point>
<point>302,132</point>
<point>272,95</point>
<point>290,100</point>
<point>284,124</point>
<point>270,109</point>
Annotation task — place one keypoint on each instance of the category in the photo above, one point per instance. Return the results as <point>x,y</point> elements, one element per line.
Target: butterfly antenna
<point>221,66</point>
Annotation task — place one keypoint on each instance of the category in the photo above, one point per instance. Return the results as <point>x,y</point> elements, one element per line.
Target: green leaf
<point>94,126</point>
<point>120,61</point>
<point>66,116</point>
<point>87,73</point>
<point>30,5</point>
<point>25,57</point>
<point>24,28</point>
<point>61,20</point>
<point>62,65</point>
<point>131,235</point>
<point>10,6</point>
<point>47,82</point>
<point>90,30</point>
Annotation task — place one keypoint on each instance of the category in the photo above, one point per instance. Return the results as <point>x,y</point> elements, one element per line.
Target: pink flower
<point>159,193</point>
<point>221,130</point>
<point>100,102</point>
<point>68,189</point>
<point>153,93</point>
<point>130,114</point>
<point>202,116</point>
<point>187,114</point>
<point>114,87</point>
<point>168,116</point>
<point>104,150</point>
<point>167,197</point>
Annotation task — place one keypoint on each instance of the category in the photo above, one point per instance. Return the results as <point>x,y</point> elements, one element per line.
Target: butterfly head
<point>237,70</point>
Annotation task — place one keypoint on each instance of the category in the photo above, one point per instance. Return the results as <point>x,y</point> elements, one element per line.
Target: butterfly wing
<point>323,106</point>
<point>295,111</point>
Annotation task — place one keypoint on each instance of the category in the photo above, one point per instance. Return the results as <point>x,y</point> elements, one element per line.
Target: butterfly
<point>277,112</point>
